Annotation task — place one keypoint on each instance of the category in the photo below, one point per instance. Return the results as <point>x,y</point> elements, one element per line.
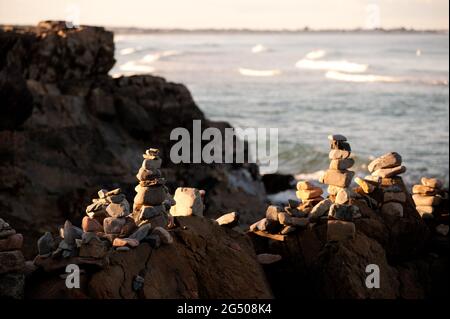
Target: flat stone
<point>13,242</point>
<point>230,219</point>
<point>96,209</point>
<point>152,151</point>
<point>148,174</point>
<point>341,212</point>
<point>148,212</point>
<point>367,186</point>
<point>338,230</point>
<point>113,225</point>
<point>333,190</point>
<point>165,236</point>
<point>399,197</point>
<point>153,182</point>
<point>424,190</point>
<point>337,137</point>
<point>121,209</point>
<point>116,199</point>
<point>338,154</point>
<point>425,211</point>
<point>391,181</point>
<point>46,244</point>
<point>11,261</point>
<point>116,191</point>
<point>310,203</point>
<point>123,248</point>
<point>151,164</point>
<point>150,196</point>
<point>309,193</point>
<point>304,185</point>
<point>442,229</point>
<point>338,178</point>
<point>392,209</point>
<point>188,202</point>
<point>102,193</point>
<point>142,232</point>
<point>389,172</point>
<point>342,197</point>
<point>91,225</point>
<point>388,160</point>
<point>431,182</point>
<point>264,224</point>
<point>321,209</point>
<point>342,164</point>
<point>121,242</point>
<point>374,179</point>
<point>422,200</point>
<point>267,259</point>
<point>288,229</point>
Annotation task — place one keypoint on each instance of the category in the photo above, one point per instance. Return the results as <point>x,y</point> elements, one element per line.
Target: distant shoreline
<point>136,30</point>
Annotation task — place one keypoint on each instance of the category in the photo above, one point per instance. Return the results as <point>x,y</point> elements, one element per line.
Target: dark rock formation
<point>205,261</point>
<point>87,130</point>
<point>405,251</point>
<point>275,183</point>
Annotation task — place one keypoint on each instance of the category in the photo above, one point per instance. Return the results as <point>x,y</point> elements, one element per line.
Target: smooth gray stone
<point>45,244</point>
<point>142,232</point>
<point>116,199</point>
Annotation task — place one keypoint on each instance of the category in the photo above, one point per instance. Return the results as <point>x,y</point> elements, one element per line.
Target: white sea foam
<point>261,73</point>
<point>127,51</point>
<point>136,68</point>
<point>309,176</point>
<point>259,48</point>
<point>316,54</point>
<point>342,65</point>
<point>152,57</point>
<point>346,77</point>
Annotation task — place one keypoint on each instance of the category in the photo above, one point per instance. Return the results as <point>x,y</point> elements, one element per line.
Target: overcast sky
<point>255,14</point>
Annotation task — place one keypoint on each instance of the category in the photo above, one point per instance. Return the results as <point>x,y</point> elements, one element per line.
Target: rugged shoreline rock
<point>78,129</point>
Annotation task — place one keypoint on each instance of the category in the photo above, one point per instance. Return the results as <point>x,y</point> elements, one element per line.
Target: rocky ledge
<point>67,128</point>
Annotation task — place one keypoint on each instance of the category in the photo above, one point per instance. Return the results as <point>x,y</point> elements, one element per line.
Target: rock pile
<point>152,201</point>
<point>338,178</point>
<point>427,196</point>
<point>385,171</point>
<point>188,201</point>
<point>281,221</point>
<point>12,262</point>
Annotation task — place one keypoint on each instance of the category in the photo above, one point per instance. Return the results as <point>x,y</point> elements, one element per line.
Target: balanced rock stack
<point>309,195</point>
<point>427,196</point>
<point>12,262</point>
<point>152,201</point>
<point>281,221</point>
<point>385,171</point>
<point>338,178</point>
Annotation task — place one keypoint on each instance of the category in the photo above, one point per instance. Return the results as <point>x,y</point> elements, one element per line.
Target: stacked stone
<point>12,262</point>
<point>152,201</point>
<point>281,221</point>
<point>338,178</point>
<point>385,171</point>
<point>309,195</point>
<point>427,196</point>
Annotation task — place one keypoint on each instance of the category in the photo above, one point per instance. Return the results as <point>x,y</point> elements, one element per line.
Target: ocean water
<point>385,92</point>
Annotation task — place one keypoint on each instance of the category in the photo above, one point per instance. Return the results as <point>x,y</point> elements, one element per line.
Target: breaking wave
<point>360,77</point>
<point>342,66</point>
<point>316,54</point>
<point>259,48</point>
<point>135,67</point>
<point>152,57</point>
<point>127,51</point>
<point>260,73</point>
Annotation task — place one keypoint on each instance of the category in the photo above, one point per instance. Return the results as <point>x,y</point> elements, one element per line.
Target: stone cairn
<point>338,178</point>
<point>385,171</point>
<point>427,196</point>
<point>12,262</point>
<point>152,201</point>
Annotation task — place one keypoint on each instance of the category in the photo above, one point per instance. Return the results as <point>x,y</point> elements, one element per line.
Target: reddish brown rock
<point>13,242</point>
<point>91,225</point>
